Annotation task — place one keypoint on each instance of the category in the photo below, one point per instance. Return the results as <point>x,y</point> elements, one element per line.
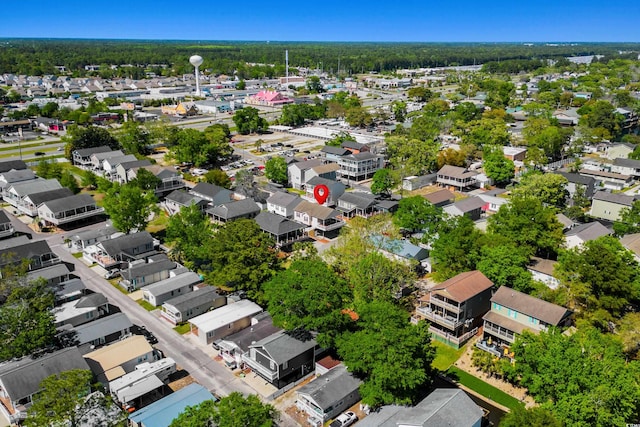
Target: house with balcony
<point>331,154</point>
<point>124,172</point>
<point>158,293</point>
<point>281,358</point>
<point>223,321</point>
<point>82,157</point>
<point>110,165</point>
<point>20,379</point>
<point>37,253</point>
<point>185,307</point>
<point>6,227</point>
<point>328,395</point>
<point>456,178</point>
<point>319,219</point>
<point>235,345</point>
<point>31,202</point>
<point>352,204</point>
<point>157,268</point>
<point>359,167</point>
<point>231,211</point>
<point>69,209</point>
<point>97,159</point>
<point>513,312</point>
<point>17,194</point>
<point>86,238</point>
<point>214,194</point>
<point>179,199</point>
<point>298,172</point>
<point>455,307</point>
<point>284,231</point>
<point>16,176</point>
<point>126,248</point>
<point>283,204</point>
<point>336,189</point>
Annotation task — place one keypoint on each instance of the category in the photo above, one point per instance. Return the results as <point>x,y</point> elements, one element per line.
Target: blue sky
<point>410,20</point>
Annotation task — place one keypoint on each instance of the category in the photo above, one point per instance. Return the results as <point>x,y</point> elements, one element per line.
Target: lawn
<point>183,328</point>
<point>445,355</point>
<point>146,305</point>
<point>158,223</point>
<point>77,255</point>
<point>486,390</point>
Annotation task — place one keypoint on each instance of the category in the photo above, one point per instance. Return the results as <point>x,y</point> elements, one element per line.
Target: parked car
<point>111,274</point>
<point>141,330</point>
<point>345,419</point>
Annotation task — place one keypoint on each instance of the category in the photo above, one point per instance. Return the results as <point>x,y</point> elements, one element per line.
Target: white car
<point>345,419</point>
<point>199,172</point>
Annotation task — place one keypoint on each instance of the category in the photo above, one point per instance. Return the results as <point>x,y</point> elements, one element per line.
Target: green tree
<point>529,225</point>
<point>146,180</point>
<point>234,410</point>
<point>601,115</point>
<point>68,180</point>
<point>417,214</point>
<point>629,220</point>
<point>248,120</point>
<point>201,148</point>
<point>425,127</point>
<point>391,354</point>
<point>48,169</point>
<point>532,417</point>
<point>50,109</point>
<point>241,257</point>
<point>129,207</point>
<point>497,167</point>
<point>399,109</point>
<point>134,137</point>
<point>505,265</point>
<point>412,156</point>
<point>550,189</point>
<point>88,179</point>
<point>457,248</point>
<point>374,277</point>
<point>241,85</point>
<point>339,138</point>
<point>188,232</point>
<point>218,177</point>
<point>450,156</point>
<point>383,182</point>
<point>420,93</point>
<point>314,85</point>
<point>275,169</point>
<point>308,295</point>
<point>78,138</point>
<point>358,117</point>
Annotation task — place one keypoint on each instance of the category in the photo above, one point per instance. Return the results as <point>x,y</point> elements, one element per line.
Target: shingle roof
<point>339,151</point>
<point>440,196</point>
<point>258,331</point>
<point>235,209</point>
<point>618,198</point>
<point>331,387</point>
<point>18,175</point>
<point>3,217</point>
<point>464,286</point>
<point>140,270</point>
<point>316,211</point>
<point>172,283</point>
<point>102,327</point>
<point>326,168</point>
<point>45,196</point>
<point>181,197</point>
<point>24,251</point>
<point>549,313</point>
<point>469,204</point>
<point>282,347</point>
<point>210,191</point>
<point>542,265</point>
<point>456,172</point>
<point>280,198</point>
<point>193,299</point>
<point>577,178</point>
<point>125,242</point>
<point>86,152</point>
<point>8,165</point>
<point>276,224</point>
<point>23,377</point>
<point>629,163</point>
<point>35,186</point>
<point>91,300</point>
<point>589,231</point>
<point>361,200</point>
<point>72,202</point>
<point>632,242</point>
<point>135,164</point>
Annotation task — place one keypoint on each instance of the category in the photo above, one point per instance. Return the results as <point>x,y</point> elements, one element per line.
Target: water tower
<point>196,61</point>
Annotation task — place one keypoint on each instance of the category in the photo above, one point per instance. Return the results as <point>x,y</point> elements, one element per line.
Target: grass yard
<point>445,355</point>
<point>486,390</point>
<point>158,223</point>
<point>146,305</point>
<point>77,255</point>
<point>182,328</point>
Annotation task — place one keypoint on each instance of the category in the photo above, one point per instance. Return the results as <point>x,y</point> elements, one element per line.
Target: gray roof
<point>14,241</point>
<point>331,387</point>
<point>18,175</point>
<point>352,144</point>
<point>127,158</point>
<point>235,209</point>
<point>256,332</point>
<point>181,197</point>
<point>107,230</point>
<point>135,164</point>
<point>71,286</point>
<point>339,151</point>
<point>363,155</point>
<point>282,347</point>
<point>456,172</point>
<point>35,186</point>
<point>443,407</point>
<point>469,204</point>
<point>316,211</point>
<point>140,270</point>
<point>576,178</point>
<point>330,183</point>
<point>102,327</point>
<point>72,202</point>
<point>306,164</point>
<point>361,200</point>
<point>618,198</point>
<point>87,152</point>
<point>8,165</point>
<point>628,163</point>
<point>212,192</point>
<point>92,300</point>
<point>193,299</point>
<point>549,313</point>
<point>24,251</point>
<point>288,200</point>
<point>589,231</point>
<point>23,377</point>
<point>102,155</point>
<point>276,224</point>
<point>48,273</point>
<point>126,242</point>
<point>45,196</point>
<point>172,283</point>
<point>3,217</point>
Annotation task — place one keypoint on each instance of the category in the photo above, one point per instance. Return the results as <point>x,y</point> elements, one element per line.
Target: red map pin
<point>321,193</point>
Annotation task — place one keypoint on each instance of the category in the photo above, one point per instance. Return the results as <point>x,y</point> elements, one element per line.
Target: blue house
<point>165,410</point>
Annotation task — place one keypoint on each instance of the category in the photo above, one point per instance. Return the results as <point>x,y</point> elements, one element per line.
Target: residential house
<point>235,345</point>
<point>440,198</point>
<point>471,207</point>
<point>115,360</point>
<point>6,227</point>
<point>456,178</point>
<point>328,395</point>
<point>16,176</point>
<point>20,379</point>
<point>102,331</point>
<point>515,154</point>
<point>15,194</point>
<point>97,159</point>
<point>37,253</point>
<point>158,293</point>
<point>69,290</point>
<point>327,171</point>
<point>169,179</point>
<point>629,167</point>
<point>231,211</point>
<point>87,238</point>
<point>223,321</point>
<point>83,310</point>
<point>216,195</point>
<point>110,165</point>
<point>332,154</point>
<point>179,199</point>
<point>352,204</point>
<point>336,189</point>
<point>126,171</point>
<point>359,167</point>
<point>401,250</point>
<point>629,119</point>
<point>298,171</point>
<point>283,231</point>
<point>492,203</point>
<point>619,150</point>
<point>576,181</point>
<point>125,248</point>
<point>69,209</point>
<point>565,221</point>
<point>354,146</point>
<point>513,312</point>
<point>455,307</point>
<point>632,242</point>
<point>442,407</point>
<point>283,204</point>
<point>9,165</point>
<point>281,358</point>
<point>321,219</point>
<point>413,182</point>
<point>82,158</point>
<point>165,410</point>
<point>567,117</point>
<point>185,307</point>
<point>609,206</point>
<point>32,201</point>
<point>157,268</point>
<point>582,233</point>
<point>53,275</point>
<point>181,109</point>
<point>609,180</point>
<point>543,270</point>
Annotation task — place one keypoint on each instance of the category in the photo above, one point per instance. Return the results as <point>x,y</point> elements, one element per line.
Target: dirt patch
<point>181,382</point>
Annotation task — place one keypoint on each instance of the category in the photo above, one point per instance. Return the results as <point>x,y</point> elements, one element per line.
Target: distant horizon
<point>410,21</point>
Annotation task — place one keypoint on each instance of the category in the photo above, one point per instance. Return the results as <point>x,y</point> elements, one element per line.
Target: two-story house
<point>360,166</point>
<point>37,253</point>
<point>6,227</point>
<point>457,178</point>
<point>231,211</point>
<point>126,248</point>
<point>284,231</point>
<point>455,307</point>
<point>179,199</point>
<point>157,293</point>
<point>626,167</point>
<point>82,157</point>
<point>319,219</point>
<point>298,172</point>
<point>336,189</point>
<point>609,206</point>
<point>283,204</point>
<point>215,194</point>
<point>513,312</point>
<point>157,268</point>
<point>69,209</point>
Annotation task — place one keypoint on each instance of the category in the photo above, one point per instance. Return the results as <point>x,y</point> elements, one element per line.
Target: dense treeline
<point>40,56</point>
